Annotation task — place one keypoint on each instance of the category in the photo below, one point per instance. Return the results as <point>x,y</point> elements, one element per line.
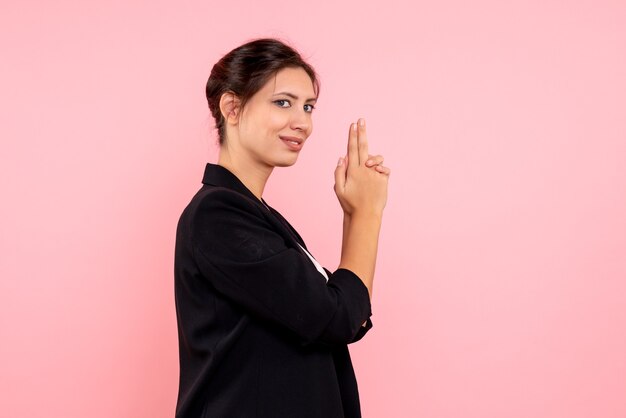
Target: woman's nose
<point>301,120</point>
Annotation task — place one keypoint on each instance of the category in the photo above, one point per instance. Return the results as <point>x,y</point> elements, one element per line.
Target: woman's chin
<point>286,163</point>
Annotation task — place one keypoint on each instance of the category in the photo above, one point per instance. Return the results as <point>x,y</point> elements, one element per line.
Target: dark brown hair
<point>246,69</point>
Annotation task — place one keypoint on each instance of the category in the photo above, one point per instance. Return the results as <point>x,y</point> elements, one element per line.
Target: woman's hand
<point>375,162</point>
<point>359,185</point>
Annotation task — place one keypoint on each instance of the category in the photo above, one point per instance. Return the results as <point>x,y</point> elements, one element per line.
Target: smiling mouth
<point>292,140</point>
<point>293,144</point>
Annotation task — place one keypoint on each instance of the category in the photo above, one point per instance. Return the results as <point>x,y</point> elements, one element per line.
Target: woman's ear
<point>229,106</point>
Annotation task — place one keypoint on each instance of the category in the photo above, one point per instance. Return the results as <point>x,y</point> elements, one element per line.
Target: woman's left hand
<point>376,162</point>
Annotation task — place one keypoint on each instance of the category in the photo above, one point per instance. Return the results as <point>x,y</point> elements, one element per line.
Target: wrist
<point>366,215</point>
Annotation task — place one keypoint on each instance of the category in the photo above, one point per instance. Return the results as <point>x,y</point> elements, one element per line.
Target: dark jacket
<point>261,332</point>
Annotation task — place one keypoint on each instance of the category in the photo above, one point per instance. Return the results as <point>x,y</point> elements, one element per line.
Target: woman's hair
<point>246,69</point>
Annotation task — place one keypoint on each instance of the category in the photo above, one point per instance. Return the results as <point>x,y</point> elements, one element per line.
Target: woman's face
<point>277,114</point>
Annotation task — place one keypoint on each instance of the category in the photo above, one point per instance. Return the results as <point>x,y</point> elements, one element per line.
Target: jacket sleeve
<point>364,327</point>
<point>248,261</point>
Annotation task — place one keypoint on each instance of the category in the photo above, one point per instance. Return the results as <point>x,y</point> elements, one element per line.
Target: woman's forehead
<point>295,81</point>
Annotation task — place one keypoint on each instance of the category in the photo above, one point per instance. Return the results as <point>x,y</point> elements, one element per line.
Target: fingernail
<point>369,162</point>
<point>354,126</point>
<point>340,161</point>
<point>362,122</point>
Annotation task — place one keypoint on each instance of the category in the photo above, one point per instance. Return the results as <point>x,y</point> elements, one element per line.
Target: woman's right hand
<point>360,189</point>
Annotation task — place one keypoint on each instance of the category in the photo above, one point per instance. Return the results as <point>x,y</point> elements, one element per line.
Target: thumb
<point>340,174</point>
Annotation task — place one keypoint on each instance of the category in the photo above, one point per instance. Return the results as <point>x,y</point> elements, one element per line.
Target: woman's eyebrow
<point>293,96</point>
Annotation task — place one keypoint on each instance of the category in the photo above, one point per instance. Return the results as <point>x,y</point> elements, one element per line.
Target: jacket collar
<point>217,175</point>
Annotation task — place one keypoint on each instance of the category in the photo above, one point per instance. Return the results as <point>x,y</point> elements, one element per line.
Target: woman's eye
<point>310,107</point>
<point>281,101</point>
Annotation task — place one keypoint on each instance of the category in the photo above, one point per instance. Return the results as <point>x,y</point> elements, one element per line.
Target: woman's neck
<point>253,175</point>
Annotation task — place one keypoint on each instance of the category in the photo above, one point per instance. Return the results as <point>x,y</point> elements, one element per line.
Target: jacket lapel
<point>217,175</point>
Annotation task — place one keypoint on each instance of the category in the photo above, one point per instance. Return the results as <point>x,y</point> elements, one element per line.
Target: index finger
<point>353,147</point>
<point>362,140</point>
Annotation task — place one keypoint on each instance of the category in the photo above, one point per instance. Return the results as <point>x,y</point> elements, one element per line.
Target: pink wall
<point>501,282</point>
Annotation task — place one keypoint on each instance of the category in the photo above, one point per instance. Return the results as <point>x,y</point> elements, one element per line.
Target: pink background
<point>501,278</point>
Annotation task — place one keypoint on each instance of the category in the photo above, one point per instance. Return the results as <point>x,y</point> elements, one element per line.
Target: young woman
<point>263,327</point>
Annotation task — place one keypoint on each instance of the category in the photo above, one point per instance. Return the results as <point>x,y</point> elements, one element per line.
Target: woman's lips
<point>294,144</point>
